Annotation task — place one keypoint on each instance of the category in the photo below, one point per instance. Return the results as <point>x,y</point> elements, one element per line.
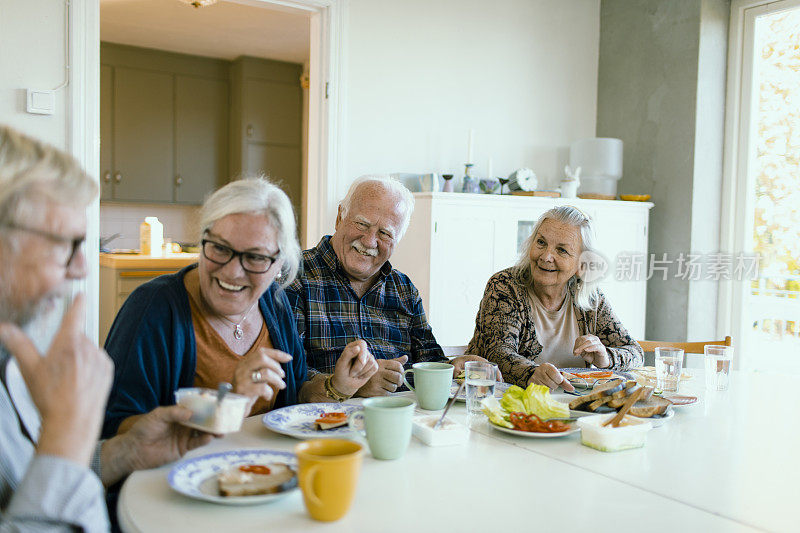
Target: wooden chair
<point>687,347</point>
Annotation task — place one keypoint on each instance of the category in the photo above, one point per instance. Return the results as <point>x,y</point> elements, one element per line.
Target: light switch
<point>41,102</point>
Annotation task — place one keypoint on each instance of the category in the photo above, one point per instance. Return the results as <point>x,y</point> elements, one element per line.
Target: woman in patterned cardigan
<point>546,312</point>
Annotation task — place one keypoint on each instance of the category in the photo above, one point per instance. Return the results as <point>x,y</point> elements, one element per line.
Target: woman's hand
<point>549,376</point>
<point>592,351</point>
<point>353,368</point>
<point>260,373</point>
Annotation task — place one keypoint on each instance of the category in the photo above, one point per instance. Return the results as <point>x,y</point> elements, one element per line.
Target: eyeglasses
<point>74,244</point>
<point>222,255</point>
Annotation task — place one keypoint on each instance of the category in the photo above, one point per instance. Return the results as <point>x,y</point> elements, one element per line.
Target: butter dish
<point>450,433</point>
<point>631,433</point>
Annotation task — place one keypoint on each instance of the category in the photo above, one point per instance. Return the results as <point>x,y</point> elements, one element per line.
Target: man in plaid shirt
<point>349,290</point>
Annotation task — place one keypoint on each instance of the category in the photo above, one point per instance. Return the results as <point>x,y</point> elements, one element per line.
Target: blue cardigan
<point>153,348</point>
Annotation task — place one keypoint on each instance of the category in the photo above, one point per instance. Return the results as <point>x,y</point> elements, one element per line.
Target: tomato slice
<point>255,469</point>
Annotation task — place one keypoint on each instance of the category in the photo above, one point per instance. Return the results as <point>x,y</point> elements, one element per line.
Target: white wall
<point>420,74</point>
<point>32,56</point>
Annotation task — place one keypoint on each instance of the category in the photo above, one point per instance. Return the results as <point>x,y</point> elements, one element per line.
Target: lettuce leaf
<point>513,400</point>
<point>537,401</point>
<point>497,415</point>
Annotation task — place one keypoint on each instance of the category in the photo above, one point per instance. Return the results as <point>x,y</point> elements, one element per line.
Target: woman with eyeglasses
<point>225,319</point>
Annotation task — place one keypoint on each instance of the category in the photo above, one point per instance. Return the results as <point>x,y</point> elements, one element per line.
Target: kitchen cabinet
<point>120,274</point>
<point>143,145</point>
<point>455,242</point>
<point>201,136</point>
<point>163,125</point>
<point>266,120</point>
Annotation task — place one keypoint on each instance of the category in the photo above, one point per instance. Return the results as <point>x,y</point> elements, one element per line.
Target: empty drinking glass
<point>669,365</point>
<point>718,366</point>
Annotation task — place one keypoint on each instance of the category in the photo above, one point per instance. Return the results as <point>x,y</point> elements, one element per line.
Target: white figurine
<point>569,185</point>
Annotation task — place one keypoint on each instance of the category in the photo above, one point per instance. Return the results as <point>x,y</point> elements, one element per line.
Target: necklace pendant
<point>237,332</point>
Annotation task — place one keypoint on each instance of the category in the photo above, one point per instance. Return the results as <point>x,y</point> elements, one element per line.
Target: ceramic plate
<point>680,400</point>
<point>578,383</point>
<point>298,420</point>
<point>660,420</point>
<point>499,389</point>
<point>573,429</point>
<point>197,477</point>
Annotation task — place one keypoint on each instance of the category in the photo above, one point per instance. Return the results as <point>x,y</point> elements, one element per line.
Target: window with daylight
<point>769,185</point>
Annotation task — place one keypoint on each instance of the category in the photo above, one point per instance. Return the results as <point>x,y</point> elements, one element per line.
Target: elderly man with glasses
<point>54,381</point>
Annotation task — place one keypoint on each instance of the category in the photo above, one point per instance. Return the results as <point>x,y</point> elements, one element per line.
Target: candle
<point>489,173</point>
<point>469,146</point>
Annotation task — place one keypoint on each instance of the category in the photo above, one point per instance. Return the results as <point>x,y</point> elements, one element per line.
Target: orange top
<point>217,362</point>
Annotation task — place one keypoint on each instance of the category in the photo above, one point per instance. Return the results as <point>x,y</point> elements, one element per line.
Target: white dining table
<point>728,463</point>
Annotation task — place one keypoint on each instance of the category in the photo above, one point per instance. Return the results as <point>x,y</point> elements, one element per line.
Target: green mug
<point>432,382</point>
<point>387,425</point>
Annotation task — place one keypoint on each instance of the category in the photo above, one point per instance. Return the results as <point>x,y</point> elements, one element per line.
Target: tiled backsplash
<point>180,222</point>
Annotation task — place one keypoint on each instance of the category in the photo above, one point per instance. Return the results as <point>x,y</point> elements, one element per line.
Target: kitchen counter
<point>121,274</point>
<point>170,261</point>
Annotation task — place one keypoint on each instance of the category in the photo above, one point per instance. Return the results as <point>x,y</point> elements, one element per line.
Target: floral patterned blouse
<point>505,332</point>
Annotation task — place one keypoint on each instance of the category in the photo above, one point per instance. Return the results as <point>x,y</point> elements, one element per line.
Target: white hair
<point>31,168</point>
<point>389,184</point>
<point>256,194</point>
<point>585,291</point>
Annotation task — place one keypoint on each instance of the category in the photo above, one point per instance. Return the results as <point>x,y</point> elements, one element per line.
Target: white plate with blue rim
<point>499,389</point>
<point>589,381</point>
<point>197,477</point>
<point>298,420</point>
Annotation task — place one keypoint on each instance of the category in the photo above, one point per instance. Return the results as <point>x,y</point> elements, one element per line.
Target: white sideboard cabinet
<point>456,241</point>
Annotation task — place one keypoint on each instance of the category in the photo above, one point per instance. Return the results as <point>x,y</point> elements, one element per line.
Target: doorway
<point>325,126</point>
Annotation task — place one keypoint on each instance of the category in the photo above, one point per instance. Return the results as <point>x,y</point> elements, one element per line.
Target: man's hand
<point>386,380</point>
<point>458,363</point>
<point>592,351</point>
<point>154,439</point>
<point>548,375</point>
<point>354,367</point>
<point>69,385</point>
<point>267,363</point>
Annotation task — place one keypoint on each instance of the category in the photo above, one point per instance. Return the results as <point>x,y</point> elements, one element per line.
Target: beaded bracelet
<point>331,392</point>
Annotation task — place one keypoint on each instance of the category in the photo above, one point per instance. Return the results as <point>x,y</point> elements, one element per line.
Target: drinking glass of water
<point>480,379</point>
<point>718,366</point>
<point>669,365</point>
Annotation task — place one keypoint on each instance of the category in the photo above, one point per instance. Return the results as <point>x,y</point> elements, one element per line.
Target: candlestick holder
<point>503,182</point>
<point>469,184</point>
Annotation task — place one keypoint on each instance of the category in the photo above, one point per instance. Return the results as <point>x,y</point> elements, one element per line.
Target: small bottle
<point>151,237</point>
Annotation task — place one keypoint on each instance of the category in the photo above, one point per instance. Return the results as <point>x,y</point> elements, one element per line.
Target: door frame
<point>325,118</point>
<point>737,195</point>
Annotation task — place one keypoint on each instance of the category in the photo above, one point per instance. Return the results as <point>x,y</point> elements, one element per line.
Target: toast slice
<point>604,389</point>
<point>655,405</point>
<point>252,480</point>
<point>331,420</point>
<point>618,398</point>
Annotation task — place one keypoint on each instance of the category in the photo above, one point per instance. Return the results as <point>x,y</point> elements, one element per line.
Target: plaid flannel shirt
<point>329,314</point>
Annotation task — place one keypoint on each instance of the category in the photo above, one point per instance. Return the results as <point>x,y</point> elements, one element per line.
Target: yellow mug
<point>328,472</point>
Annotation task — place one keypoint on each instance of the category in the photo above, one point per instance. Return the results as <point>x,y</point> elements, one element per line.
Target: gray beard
<point>39,322</point>
<point>44,325</point>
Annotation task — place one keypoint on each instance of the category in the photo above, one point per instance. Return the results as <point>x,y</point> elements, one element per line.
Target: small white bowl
<point>450,433</point>
<point>611,439</point>
<point>207,416</point>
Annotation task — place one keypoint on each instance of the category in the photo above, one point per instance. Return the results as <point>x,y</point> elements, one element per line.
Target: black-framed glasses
<point>73,243</point>
<point>222,255</point>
